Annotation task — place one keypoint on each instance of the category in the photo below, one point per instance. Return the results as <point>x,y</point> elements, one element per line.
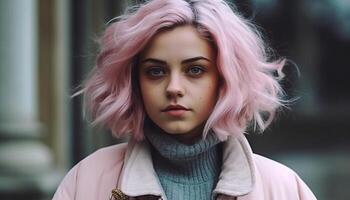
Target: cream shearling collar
<point>237,175</point>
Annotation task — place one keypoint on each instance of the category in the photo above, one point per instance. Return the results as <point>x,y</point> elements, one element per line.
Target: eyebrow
<point>189,60</point>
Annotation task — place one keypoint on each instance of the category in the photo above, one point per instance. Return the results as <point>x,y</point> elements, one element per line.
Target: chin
<point>180,131</point>
<point>176,131</point>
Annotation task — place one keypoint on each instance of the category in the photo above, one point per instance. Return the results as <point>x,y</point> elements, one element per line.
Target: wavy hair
<point>250,91</point>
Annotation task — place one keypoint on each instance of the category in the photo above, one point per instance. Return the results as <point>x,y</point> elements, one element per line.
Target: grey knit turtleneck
<point>186,172</point>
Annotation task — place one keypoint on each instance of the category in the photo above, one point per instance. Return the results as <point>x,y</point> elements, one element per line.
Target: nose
<point>175,87</point>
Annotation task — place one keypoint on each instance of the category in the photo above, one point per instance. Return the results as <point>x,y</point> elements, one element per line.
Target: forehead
<point>179,43</point>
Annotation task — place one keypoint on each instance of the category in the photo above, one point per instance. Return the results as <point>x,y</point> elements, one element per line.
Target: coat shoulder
<point>274,173</point>
<point>107,156</point>
<point>97,172</point>
<point>268,166</point>
<point>277,181</point>
<point>105,162</point>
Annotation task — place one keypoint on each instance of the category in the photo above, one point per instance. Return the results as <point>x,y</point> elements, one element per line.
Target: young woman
<point>184,79</point>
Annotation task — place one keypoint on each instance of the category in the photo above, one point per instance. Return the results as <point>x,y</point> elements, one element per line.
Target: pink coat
<point>129,168</point>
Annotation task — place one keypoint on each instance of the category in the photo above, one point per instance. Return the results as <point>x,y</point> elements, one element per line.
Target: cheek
<point>148,102</point>
<point>145,94</point>
<point>209,95</point>
<point>150,94</point>
<point>207,90</point>
<point>210,98</point>
<point>206,99</point>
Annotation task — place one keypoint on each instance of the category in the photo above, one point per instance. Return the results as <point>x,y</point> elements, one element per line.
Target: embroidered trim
<point>118,195</point>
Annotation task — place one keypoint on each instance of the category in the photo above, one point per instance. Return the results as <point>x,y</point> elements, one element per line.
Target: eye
<point>155,72</point>
<point>195,70</point>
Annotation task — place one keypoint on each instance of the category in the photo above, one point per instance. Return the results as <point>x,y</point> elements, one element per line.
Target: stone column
<point>25,162</point>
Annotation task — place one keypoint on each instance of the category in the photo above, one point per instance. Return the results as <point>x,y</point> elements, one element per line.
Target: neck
<point>185,138</point>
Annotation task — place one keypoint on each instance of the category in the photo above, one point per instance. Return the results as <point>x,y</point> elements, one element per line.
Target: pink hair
<point>249,93</point>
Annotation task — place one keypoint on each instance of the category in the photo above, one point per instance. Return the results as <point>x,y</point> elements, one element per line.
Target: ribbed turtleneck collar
<point>185,163</point>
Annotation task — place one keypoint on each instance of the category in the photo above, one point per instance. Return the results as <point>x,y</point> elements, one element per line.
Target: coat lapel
<point>139,180</point>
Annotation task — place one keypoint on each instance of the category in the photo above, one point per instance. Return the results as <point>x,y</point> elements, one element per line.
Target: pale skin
<point>178,68</point>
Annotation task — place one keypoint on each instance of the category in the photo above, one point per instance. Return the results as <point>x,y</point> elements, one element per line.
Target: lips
<point>175,107</point>
<point>177,111</point>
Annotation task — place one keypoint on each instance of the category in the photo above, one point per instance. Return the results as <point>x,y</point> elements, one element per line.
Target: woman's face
<point>179,81</point>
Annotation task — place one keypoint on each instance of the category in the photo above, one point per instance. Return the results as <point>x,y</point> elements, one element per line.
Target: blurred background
<point>47,48</point>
